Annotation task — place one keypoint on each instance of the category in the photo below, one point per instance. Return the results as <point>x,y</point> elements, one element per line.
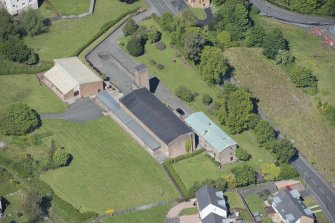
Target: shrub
<point>154,35</point>
<point>18,119</point>
<point>231,181</point>
<point>160,45</point>
<point>185,93</point>
<point>245,175</point>
<point>153,62</point>
<point>264,132</point>
<point>130,27</point>
<point>160,67</point>
<point>303,77</point>
<point>135,47</point>
<point>19,214</point>
<point>219,184</point>
<point>287,172</point>
<point>242,154</point>
<point>176,177</point>
<point>206,99</point>
<point>60,158</point>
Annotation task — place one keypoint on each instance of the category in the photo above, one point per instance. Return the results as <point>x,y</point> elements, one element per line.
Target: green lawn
<point>109,170</point>
<point>189,211</point>
<point>199,13</point>
<point>7,188</point>
<point>26,88</point>
<point>67,36</point>
<point>182,73</point>
<point>234,200</point>
<point>320,217</point>
<point>309,201</point>
<point>13,208</point>
<point>51,8</point>
<point>255,203</point>
<point>153,215</point>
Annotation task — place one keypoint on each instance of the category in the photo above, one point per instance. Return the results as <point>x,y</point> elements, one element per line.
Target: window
<point>76,93</point>
<point>231,158</point>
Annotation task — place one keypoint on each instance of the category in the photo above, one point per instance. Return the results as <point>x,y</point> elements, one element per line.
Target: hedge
<point>9,67</point>
<point>188,155</point>
<point>103,29</point>
<point>176,177</point>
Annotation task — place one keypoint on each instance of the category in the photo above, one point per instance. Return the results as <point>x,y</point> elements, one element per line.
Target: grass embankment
<point>26,89</point>
<point>51,8</point>
<point>180,72</point>
<point>153,215</point>
<point>292,111</point>
<point>109,170</point>
<point>67,36</point>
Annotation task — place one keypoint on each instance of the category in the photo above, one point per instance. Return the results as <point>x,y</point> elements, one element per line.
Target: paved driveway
<point>81,111</point>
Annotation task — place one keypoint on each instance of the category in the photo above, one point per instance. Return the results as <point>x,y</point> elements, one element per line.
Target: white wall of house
<point>14,7</point>
<point>213,209</point>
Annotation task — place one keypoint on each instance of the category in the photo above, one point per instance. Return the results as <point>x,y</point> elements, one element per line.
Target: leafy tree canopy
<point>242,154</point>
<point>245,175</point>
<point>270,171</point>
<point>32,22</point>
<point>264,132</point>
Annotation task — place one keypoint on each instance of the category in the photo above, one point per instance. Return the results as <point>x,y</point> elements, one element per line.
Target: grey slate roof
<point>213,218</point>
<point>208,195</point>
<point>290,207</point>
<point>155,115</point>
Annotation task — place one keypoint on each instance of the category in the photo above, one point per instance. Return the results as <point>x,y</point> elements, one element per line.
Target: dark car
<point>180,111</point>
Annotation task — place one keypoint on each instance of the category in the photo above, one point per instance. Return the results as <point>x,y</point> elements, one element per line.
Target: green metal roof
<point>207,129</point>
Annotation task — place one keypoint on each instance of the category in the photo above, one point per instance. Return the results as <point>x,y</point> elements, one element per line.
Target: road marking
<point>317,211</point>
<point>321,190</point>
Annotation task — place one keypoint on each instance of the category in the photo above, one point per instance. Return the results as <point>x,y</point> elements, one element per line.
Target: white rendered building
<point>14,7</point>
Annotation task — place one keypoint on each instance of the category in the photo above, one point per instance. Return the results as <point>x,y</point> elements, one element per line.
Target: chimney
<point>142,76</point>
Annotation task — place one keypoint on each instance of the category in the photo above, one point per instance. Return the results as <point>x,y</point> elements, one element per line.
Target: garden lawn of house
<point>26,88</point>
<point>233,199</point>
<point>109,170</point>
<point>290,110</point>
<point>255,204</point>
<point>189,211</point>
<point>199,13</point>
<point>51,8</point>
<point>177,73</point>
<point>153,215</point>
<point>65,37</point>
<point>14,207</point>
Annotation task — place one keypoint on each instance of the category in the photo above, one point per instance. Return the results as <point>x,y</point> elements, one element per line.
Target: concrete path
<point>81,111</point>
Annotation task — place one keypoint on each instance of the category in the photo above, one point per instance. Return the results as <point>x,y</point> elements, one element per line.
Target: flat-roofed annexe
<point>158,120</point>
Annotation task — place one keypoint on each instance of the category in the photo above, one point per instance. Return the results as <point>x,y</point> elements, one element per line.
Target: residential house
<point>14,7</point>
<point>71,79</point>
<point>212,138</point>
<point>199,3</point>
<point>212,205</point>
<point>159,121</point>
<point>290,207</point>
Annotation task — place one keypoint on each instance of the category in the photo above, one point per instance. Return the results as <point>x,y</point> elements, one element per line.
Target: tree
<point>270,171</point>
<point>185,93</point>
<point>264,132</point>
<point>303,77</point>
<point>273,42</point>
<point>18,119</point>
<point>31,206</point>
<point>283,150</point>
<point>193,45</point>
<point>6,25</point>
<point>135,47</point>
<point>242,154</point>
<point>32,22</point>
<point>255,37</point>
<point>60,158</point>
<point>305,6</point>
<point>284,57</point>
<point>154,35</point>
<point>235,110</point>
<point>206,99</point>
<point>213,65</point>
<point>130,27</point>
<point>167,22</point>
<point>287,172</point>
<point>224,39</point>
<point>231,181</point>
<point>245,175</point>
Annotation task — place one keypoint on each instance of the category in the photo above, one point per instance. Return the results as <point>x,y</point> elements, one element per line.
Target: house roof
<point>155,115</point>
<point>290,207</point>
<point>69,73</point>
<point>213,218</point>
<point>207,129</point>
<point>208,195</point>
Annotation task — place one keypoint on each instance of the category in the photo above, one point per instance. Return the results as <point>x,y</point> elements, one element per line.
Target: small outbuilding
<point>70,79</point>
<point>212,138</point>
<point>159,121</point>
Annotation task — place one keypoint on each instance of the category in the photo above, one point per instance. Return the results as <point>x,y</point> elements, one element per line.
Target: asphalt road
<point>270,10</point>
<point>325,193</point>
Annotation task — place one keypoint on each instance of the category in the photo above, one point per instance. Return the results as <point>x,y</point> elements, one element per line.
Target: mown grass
<point>189,211</point>
<point>153,215</point>
<point>255,203</point>
<point>67,36</point>
<point>292,111</point>
<point>109,170</point>
<point>177,72</point>
<point>13,208</point>
<point>234,200</point>
<point>199,13</point>
<point>51,8</point>
<point>320,217</point>
<point>7,188</point>
<point>26,88</point>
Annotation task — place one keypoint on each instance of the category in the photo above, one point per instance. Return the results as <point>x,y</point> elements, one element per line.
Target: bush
<point>287,172</point>
<point>185,93</point>
<point>264,132</point>
<point>60,158</point>
<point>186,156</point>
<point>130,27</point>
<point>153,62</point>
<point>135,47</point>
<point>206,99</point>
<point>176,177</point>
<point>303,77</point>
<point>18,119</point>
<point>160,67</point>
<point>245,175</point>
<point>160,45</point>
<point>242,154</point>
<point>154,35</point>
<point>9,67</point>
